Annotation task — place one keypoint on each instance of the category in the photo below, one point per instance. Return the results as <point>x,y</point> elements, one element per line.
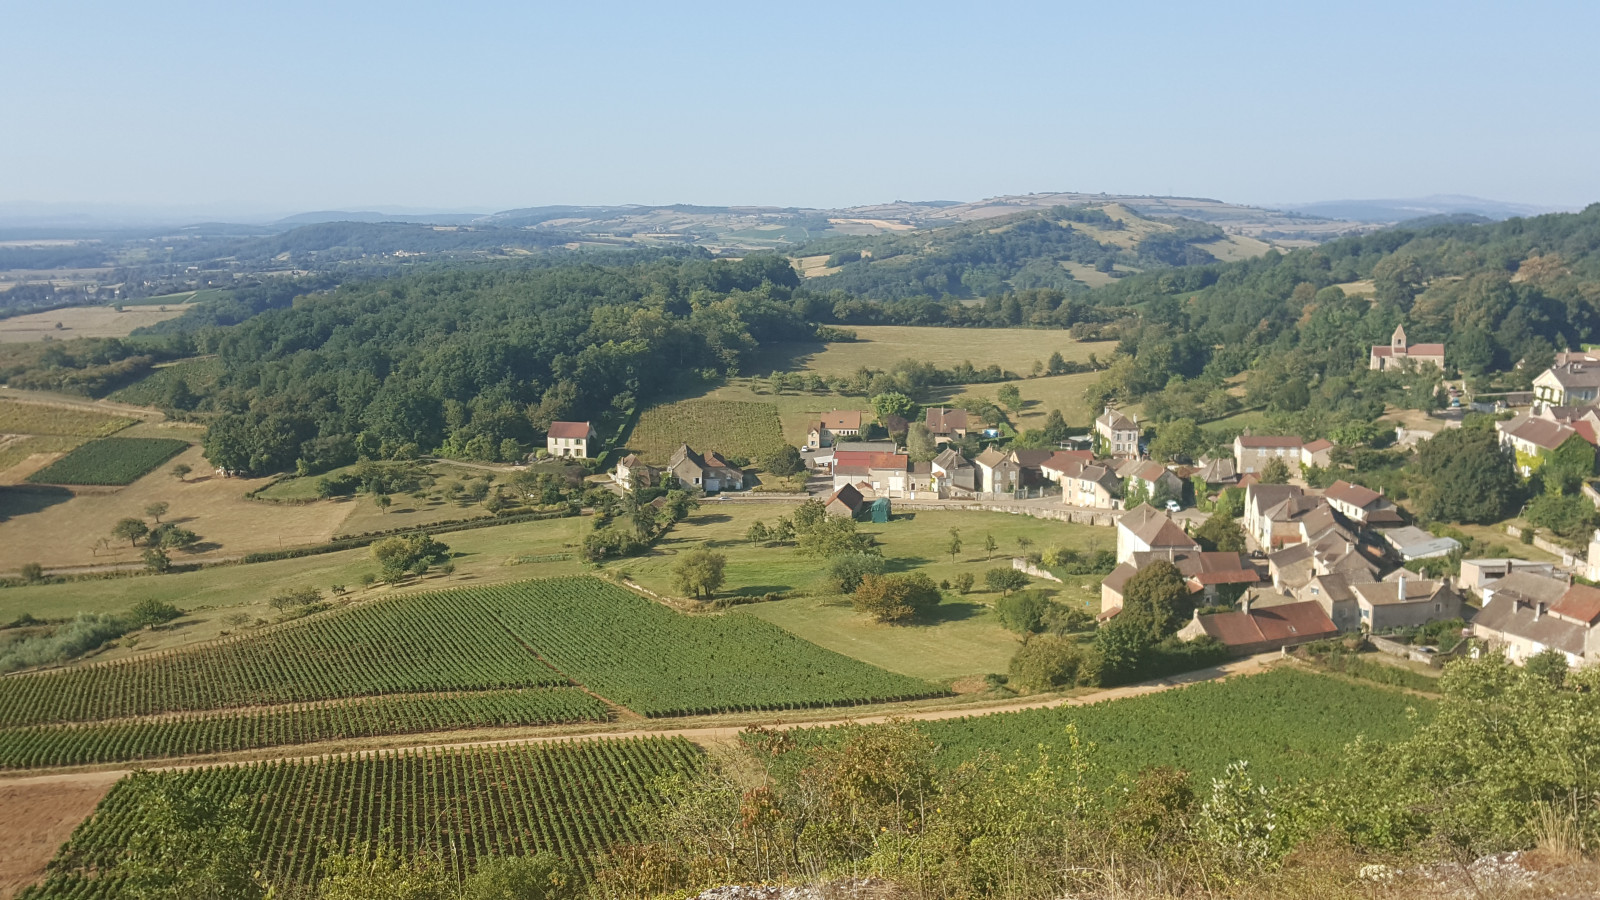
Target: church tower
<point>1398,343</point>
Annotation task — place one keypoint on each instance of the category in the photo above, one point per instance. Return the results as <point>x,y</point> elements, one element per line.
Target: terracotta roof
<point>632,459</point>
<point>944,421</point>
<point>569,429</point>
<point>1586,430</point>
<point>1580,603</point>
<point>1265,441</point>
<point>1425,350</point>
<point>847,419</point>
<point>1382,350</point>
<point>1061,459</point>
<point>847,495</point>
<point>1353,494</point>
<point>1319,445</point>
<point>869,459</point>
<point>1290,622</point>
<point>1031,459</point>
<point>1539,432</point>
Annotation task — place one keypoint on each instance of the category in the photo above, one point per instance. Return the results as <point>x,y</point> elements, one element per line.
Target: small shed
<point>879,510</point>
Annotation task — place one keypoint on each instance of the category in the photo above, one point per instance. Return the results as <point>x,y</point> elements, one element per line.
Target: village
<point>1309,564</point>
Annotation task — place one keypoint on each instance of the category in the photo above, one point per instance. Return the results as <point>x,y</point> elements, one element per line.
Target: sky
<point>290,106</point>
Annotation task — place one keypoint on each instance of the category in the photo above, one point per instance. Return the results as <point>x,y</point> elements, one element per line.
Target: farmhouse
<point>1251,453</point>
<point>946,425</point>
<point>1533,437</point>
<point>1219,473</point>
<point>1062,461</point>
<point>1151,478</point>
<point>1280,514</point>
<point>1484,575</point>
<point>952,471</point>
<point>1117,433</point>
<point>633,473</point>
<point>1145,528</point>
<point>571,439</point>
<point>710,473</point>
<point>1260,629</point>
<point>1399,352</point>
<point>1334,552</point>
<point>1317,453</point>
<point>1203,572</point>
<point>999,471</point>
<point>1529,587</point>
<point>1091,485</point>
<point>1523,625</point>
<point>887,474</point>
<point>833,425</point>
<point>1405,603</point>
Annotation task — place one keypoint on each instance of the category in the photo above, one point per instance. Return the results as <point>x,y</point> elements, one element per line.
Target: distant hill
<point>1061,247</point>
<point>317,218</point>
<point>1391,211</point>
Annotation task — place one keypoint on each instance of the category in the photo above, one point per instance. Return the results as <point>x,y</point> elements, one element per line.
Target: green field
<point>797,412</point>
<point>110,461</point>
<point>571,799</point>
<point>71,745</point>
<point>881,346</point>
<point>1039,396</point>
<point>732,428</point>
<point>1289,724</point>
<point>153,389</point>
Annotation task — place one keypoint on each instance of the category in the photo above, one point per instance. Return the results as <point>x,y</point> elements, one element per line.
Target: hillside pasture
<point>729,427</point>
<point>110,461</point>
<point>17,417</point>
<point>1039,396</point>
<point>881,346</point>
<point>84,321</point>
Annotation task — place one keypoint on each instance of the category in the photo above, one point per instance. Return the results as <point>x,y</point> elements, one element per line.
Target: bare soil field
<point>84,321</point>
<point>36,817</point>
<point>58,527</point>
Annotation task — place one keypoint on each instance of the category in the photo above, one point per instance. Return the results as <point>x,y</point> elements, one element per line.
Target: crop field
<point>197,374</point>
<point>660,663</point>
<point>110,461</point>
<point>71,745</point>
<point>731,428</point>
<point>571,799</point>
<point>84,322</point>
<point>881,346</point>
<point>635,652</point>
<point>1288,723</point>
<point>40,418</point>
<point>412,644</point>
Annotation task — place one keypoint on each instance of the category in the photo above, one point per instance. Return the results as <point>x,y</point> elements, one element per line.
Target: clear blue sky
<point>294,106</point>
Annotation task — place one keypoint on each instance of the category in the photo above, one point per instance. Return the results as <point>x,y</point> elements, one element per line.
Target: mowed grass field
<point>963,639</point>
<point>84,321</point>
<point>881,346</point>
<point>1039,396</point>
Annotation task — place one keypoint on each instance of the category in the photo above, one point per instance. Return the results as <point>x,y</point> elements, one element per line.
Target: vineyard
<point>634,652</point>
<point>68,745</point>
<point>37,418</point>
<point>110,461</point>
<point>572,799</point>
<point>730,427</point>
<point>1290,724</point>
<point>660,663</point>
<point>154,389</point>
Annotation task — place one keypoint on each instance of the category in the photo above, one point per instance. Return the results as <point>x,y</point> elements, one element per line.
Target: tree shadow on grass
<point>19,500</point>
<point>898,564</point>
<point>953,612</point>
<point>710,519</point>
<point>757,590</point>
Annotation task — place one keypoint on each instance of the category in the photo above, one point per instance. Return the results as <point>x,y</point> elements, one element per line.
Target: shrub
<point>896,598</point>
<point>845,572</point>
<point>964,583</point>
<point>1005,580</point>
<point>1023,612</point>
<point>1048,661</point>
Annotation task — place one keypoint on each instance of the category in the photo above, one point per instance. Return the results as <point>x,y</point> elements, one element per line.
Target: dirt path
<point>39,814</point>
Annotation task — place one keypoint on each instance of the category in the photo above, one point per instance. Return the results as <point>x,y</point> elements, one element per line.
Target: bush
<point>1048,661</point>
<point>964,583</point>
<point>1005,580</point>
<point>603,543</point>
<point>87,632</point>
<point>1023,612</point>
<point>295,597</point>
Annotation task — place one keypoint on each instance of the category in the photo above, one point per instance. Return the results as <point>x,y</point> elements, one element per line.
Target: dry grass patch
<point>85,321</point>
<point>881,346</point>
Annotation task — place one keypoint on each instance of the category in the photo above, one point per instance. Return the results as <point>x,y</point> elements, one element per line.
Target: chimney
<point>1244,602</point>
<point>1401,595</point>
<point>1538,609</point>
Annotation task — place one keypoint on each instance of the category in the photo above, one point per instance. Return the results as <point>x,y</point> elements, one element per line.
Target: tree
<point>1024,542</point>
<point>181,471</point>
<point>698,573</point>
<point>1023,611</point>
<point>783,461</point>
<point>542,876</point>
<point>32,572</point>
<point>1276,471</point>
<point>1178,439</point>
<point>1135,491</point>
<point>920,444</point>
<point>1466,476</point>
<point>845,572</point>
<point>1156,599</point>
<point>130,530</point>
<point>382,501</point>
<point>156,510</point>
<point>893,403</point>
<point>832,536</point>
<point>408,554</point>
<point>989,546</point>
<point>954,547</point>
<point>1057,365</point>
<point>156,560</point>
<point>171,537</point>
<point>1005,580</point>
<point>382,872</point>
<point>188,844</point>
<point>1010,397</point>
<point>1047,661</point>
<point>1220,533</point>
<point>758,533</point>
<point>896,599</point>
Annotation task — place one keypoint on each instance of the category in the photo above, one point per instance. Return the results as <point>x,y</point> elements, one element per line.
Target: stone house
<point>1117,433</point>
<point>632,472</point>
<point>845,501</point>
<point>574,440</point>
<point>1571,382</point>
<point>946,425</point>
<point>1152,476</point>
<point>1399,352</point>
<point>999,471</point>
<point>1261,629</point>
<point>950,471</point>
<point>710,473</point>
<point>1523,625</point>
<point>1251,453</point>
<point>1090,485</point>
<point>1144,529</point>
<point>1406,602</point>
<point>1362,505</point>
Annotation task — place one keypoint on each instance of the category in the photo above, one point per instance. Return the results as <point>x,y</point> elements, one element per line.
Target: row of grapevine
<point>412,644</point>
<point>572,799</point>
<point>1290,724</point>
<point>661,663</point>
<point>67,745</point>
<point>112,460</point>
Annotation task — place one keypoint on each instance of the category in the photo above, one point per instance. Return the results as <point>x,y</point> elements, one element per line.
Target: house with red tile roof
<point>1361,505</point>
<point>1261,629</point>
<point>570,439</point>
<point>1204,572</point>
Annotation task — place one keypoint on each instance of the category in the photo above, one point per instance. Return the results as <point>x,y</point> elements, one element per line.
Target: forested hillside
<point>1501,297</point>
<point>1018,252</point>
<point>480,362</point>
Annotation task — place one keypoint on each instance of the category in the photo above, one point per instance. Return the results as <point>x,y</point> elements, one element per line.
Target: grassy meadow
<point>730,427</point>
<point>880,346</point>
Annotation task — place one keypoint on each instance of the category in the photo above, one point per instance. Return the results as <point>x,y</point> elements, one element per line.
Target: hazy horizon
<point>493,106</point>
